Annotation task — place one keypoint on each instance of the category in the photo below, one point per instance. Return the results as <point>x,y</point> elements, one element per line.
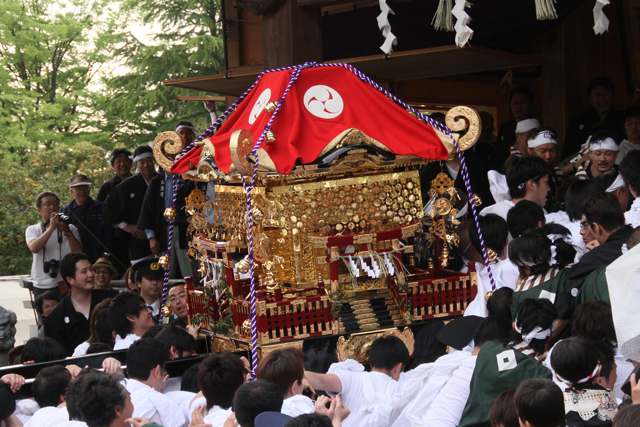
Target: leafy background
<point>79,78</point>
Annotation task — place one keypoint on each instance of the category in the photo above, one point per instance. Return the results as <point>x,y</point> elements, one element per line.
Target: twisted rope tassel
<point>545,10</point>
<point>443,19</point>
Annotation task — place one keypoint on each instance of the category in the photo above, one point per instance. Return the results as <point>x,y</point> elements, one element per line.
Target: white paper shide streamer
<point>601,21</point>
<point>463,31</point>
<point>383,23</point>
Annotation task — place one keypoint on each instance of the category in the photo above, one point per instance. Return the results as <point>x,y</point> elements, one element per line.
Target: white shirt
<point>217,416</point>
<point>446,409</point>
<point>49,416</point>
<point>182,399</point>
<point>501,209</point>
<point>81,349</point>
<point>632,216</point>
<point>155,406</point>
<point>505,274</point>
<point>25,408</point>
<point>297,405</point>
<point>443,393</point>
<point>362,393</point>
<point>125,343</point>
<point>53,251</point>
<point>156,307</point>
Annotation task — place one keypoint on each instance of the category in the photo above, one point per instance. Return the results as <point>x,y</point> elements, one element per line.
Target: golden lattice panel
<point>349,206</point>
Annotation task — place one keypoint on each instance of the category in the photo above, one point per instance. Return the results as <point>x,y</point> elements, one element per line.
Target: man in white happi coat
<point>147,375</point>
<point>374,398</point>
<point>442,399</point>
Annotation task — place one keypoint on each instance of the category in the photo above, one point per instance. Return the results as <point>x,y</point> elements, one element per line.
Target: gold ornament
<point>488,295</point>
<point>492,255</point>
<point>444,257</point>
<point>477,200</point>
<point>199,220</point>
<point>270,136</point>
<point>246,327</point>
<point>166,310</point>
<point>163,262</point>
<point>442,206</point>
<point>271,107</point>
<point>243,266</point>
<point>169,214</point>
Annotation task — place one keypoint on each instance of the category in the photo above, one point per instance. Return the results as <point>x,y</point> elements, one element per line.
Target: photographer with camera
<point>50,241</point>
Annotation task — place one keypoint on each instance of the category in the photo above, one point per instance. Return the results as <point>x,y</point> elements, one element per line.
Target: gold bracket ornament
<point>463,118</point>
<point>441,184</point>
<point>165,148</point>
<point>163,262</point>
<point>241,144</point>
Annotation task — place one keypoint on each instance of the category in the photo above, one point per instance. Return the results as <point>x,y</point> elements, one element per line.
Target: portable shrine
<point>316,174</point>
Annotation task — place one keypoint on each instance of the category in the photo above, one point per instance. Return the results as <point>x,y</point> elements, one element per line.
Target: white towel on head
<point>498,186</point>
<point>623,280</point>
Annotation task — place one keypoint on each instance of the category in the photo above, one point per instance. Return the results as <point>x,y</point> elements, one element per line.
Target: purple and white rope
<point>172,222</point>
<point>254,151</point>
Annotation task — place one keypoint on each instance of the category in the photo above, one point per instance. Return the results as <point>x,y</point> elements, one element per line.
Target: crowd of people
<point>536,347</point>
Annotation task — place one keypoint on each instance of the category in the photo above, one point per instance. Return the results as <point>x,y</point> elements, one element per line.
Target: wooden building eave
<point>416,64</point>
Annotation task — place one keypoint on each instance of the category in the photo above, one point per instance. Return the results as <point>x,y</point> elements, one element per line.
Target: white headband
<point>605,144</point>
<point>142,156</point>
<point>537,333</point>
<point>584,380</point>
<point>526,125</point>
<point>193,129</point>
<point>544,137</point>
<point>617,184</point>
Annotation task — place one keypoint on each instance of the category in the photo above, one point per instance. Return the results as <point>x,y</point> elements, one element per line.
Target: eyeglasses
<point>47,204</point>
<point>584,226</point>
<point>102,271</point>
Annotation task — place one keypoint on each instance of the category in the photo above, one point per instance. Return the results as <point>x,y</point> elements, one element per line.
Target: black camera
<point>51,267</point>
<point>63,218</point>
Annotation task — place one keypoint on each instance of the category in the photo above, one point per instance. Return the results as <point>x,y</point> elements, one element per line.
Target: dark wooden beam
<point>292,35</point>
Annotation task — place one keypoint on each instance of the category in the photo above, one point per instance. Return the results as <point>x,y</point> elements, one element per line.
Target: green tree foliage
<point>76,82</point>
<point>43,169</point>
<point>187,45</point>
<point>50,55</point>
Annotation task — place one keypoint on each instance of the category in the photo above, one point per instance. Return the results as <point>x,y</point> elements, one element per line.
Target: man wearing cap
<point>604,145</point>
<point>149,278</point>
<point>49,241</point>
<point>121,161</point>
<point>104,272</point>
<point>124,203</point>
<point>86,214</point>
<point>520,100</point>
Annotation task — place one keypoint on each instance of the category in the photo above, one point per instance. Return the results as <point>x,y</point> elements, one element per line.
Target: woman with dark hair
<point>130,280</point>
<point>533,326</point>
<point>101,332</point>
